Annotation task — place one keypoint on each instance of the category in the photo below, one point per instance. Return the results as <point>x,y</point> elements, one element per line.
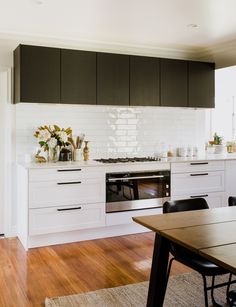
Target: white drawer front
<point>192,183</point>
<point>73,173</point>
<point>214,200</point>
<point>51,220</point>
<point>53,193</point>
<point>197,166</point>
<point>119,218</point>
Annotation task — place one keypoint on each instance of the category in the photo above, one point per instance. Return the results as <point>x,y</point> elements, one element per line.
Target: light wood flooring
<point>26,278</point>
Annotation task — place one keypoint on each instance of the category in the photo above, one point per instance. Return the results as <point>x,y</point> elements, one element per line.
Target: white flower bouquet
<point>52,136</point>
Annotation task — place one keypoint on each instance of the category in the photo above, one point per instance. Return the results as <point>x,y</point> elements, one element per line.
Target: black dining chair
<point>232,201</point>
<point>189,258</point>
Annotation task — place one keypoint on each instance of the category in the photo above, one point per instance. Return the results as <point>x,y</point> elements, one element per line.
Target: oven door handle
<point>141,177</point>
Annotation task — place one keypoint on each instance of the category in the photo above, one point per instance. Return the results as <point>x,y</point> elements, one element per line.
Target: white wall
<point>7,154</point>
<point>220,119</point>
<point>113,131</point>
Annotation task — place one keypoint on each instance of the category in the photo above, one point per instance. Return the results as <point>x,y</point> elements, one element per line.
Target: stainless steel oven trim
<point>141,204</point>
<point>132,178</point>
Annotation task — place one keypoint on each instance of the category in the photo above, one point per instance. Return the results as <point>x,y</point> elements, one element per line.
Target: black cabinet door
<point>37,74</point>
<point>174,83</point>
<point>144,81</point>
<point>78,77</point>
<point>201,84</point>
<point>112,79</point>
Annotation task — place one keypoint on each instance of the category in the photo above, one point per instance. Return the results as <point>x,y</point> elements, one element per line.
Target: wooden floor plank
<point>26,278</point>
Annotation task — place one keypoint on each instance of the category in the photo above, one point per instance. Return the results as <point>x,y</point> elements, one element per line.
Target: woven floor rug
<point>183,291</point>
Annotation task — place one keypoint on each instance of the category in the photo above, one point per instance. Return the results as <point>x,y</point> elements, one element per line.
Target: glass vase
<point>53,154</point>
<point>65,154</point>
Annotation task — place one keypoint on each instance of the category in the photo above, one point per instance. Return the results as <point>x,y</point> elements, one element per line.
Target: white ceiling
<point>153,23</point>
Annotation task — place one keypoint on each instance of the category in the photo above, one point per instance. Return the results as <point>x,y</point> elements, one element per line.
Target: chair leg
<point>228,287</point>
<point>212,293</point>
<point>169,268</point>
<point>205,290</point>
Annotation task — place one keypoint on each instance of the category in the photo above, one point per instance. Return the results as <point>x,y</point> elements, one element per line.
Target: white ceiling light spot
<point>39,2</point>
<point>192,25</point>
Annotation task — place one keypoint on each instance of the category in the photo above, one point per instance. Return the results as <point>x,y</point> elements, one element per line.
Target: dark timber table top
<point>162,222</point>
<point>210,232</point>
<point>224,255</point>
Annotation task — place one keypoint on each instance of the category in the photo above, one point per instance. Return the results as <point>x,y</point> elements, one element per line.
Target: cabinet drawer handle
<point>69,170</point>
<point>74,182</point>
<point>198,163</point>
<point>69,209</point>
<point>202,174</point>
<point>196,196</point>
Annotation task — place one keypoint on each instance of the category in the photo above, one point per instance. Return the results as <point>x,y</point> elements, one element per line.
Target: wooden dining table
<point>210,232</point>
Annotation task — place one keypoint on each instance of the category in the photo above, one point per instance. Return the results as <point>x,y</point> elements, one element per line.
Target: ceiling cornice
<point>223,54</point>
<point>10,41</point>
<point>13,39</point>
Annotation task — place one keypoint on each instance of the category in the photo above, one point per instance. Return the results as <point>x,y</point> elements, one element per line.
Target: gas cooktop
<point>125,160</point>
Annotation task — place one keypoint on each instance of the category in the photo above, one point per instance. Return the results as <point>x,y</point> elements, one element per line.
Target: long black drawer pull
<point>69,209</point>
<point>202,174</point>
<point>70,170</point>
<point>196,196</point>
<point>74,182</point>
<point>198,163</point>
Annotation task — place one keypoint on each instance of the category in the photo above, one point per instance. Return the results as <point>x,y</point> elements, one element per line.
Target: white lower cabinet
<point>67,204</point>
<point>57,205</point>
<point>199,179</point>
<point>67,218</point>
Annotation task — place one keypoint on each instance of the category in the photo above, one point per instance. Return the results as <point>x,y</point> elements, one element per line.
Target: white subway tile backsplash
<point>113,131</point>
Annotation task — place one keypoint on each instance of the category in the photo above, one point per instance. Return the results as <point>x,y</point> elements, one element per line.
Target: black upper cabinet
<point>144,81</point>
<point>201,84</point>
<point>52,75</point>
<point>37,74</point>
<point>174,83</point>
<point>78,77</point>
<point>112,79</point>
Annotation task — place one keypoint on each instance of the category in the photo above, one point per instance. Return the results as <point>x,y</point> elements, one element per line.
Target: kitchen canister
<point>78,154</point>
<point>195,151</point>
<point>182,151</point>
<point>189,151</point>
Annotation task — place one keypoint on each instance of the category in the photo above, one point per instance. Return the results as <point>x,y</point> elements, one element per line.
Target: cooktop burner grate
<point>125,160</point>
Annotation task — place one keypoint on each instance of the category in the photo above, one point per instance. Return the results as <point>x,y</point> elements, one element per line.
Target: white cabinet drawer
<point>59,219</point>
<point>54,193</point>
<point>201,182</point>
<point>214,200</point>
<point>64,174</point>
<point>197,166</point>
<point>119,218</point>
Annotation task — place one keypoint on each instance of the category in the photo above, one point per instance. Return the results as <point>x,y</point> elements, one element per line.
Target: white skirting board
<point>83,235</point>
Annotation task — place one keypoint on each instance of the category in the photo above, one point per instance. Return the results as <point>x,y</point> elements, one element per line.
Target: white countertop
<point>92,163</point>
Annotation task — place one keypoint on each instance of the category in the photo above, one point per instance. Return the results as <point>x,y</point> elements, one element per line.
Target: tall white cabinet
<point>230,178</point>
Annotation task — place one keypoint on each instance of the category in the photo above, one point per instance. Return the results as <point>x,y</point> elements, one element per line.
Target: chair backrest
<point>185,205</point>
<point>232,201</point>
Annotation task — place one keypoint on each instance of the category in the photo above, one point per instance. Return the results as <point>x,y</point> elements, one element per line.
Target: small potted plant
<point>219,147</point>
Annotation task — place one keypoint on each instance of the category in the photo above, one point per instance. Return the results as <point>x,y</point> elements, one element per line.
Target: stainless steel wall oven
<point>137,190</point>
